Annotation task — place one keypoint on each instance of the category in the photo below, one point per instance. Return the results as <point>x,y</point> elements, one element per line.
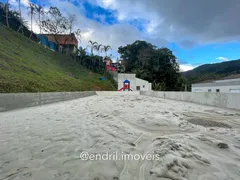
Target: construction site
<point>44,140</point>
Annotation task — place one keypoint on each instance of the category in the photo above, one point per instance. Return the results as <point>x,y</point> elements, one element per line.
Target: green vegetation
<point>26,66</point>
<point>212,71</point>
<point>156,65</point>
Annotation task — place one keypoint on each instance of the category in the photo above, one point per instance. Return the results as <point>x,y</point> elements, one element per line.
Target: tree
<point>92,46</point>
<point>20,16</point>
<point>97,47</point>
<point>106,49</point>
<point>157,65</point>
<point>82,52</point>
<point>78,35</point>
<point>99,50</point>
<point>7,10</point>
<point>54,22</point>
<point>71,20</point>
<point>40,11</point>
<point>32,9</point>
<point>19,7</point>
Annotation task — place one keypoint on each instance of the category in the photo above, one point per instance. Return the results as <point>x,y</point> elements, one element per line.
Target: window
<point>138,88</point>
<point>143,86</point>
<point>209,90</point>
<point>217,90</point>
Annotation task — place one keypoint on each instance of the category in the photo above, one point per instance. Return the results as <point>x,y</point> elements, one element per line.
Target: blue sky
<point>196,36</point>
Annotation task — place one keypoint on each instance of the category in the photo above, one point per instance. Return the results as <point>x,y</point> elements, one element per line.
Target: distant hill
<point>216,71</point>
<point>26,66</point>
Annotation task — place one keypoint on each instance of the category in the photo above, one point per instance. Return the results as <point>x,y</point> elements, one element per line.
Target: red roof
<point>63,39</point>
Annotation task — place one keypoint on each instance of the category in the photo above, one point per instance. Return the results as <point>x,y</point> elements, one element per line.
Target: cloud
<point>188,23</point>
<point>177,20</point>
<point>25,2</point>
<point>222,58</point>
<point>186,67</point>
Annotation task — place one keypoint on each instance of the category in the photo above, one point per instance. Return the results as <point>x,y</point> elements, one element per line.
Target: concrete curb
<point>11,101</point>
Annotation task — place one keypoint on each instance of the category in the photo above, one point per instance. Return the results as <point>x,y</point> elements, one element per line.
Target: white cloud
<point>222,58</point>
<point>13,2</point>
<point>186,67</point>
<point>25,2</point>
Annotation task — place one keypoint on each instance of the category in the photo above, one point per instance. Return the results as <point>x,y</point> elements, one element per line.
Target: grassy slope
<point>26,66</point>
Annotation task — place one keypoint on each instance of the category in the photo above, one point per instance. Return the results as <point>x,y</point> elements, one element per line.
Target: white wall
<point>223,100</point>
<point>224,89</point>
<point>134,82</point>
<point>144,85</point>
<point>130,77</point>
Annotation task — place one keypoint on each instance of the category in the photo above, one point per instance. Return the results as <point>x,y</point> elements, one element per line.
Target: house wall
<point>67,49</point>
<point>227,86</point>
<point>130,77</point>
<point>144,85</point>
<point>134,82</point>
<point>224,89</point>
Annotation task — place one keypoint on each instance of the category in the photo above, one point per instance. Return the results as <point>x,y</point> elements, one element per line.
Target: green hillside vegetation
<point>26,66</point>
<point>212,71</point>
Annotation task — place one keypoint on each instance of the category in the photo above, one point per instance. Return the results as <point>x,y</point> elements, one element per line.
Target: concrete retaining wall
<point>223,100</point>
<point>13,101</point>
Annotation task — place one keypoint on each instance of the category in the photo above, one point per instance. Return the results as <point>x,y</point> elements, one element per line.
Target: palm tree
<point>106,49</point>
<point>92,46</point>
<point>7,9</point>
<point>78,35</point>
<point>32,9</point>
<point>99,50</point>
<point>39,10</point>
<point>19,6</point>
<point>20,15</point>
<point>81,53</point>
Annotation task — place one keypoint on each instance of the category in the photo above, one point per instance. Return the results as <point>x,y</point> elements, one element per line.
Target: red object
<point>121,89</point>
<point>113,69</point>
<point>108,68</point>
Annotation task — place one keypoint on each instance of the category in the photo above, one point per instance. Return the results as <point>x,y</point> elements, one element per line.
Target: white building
<point>136,84</point>
<point>226,86</point>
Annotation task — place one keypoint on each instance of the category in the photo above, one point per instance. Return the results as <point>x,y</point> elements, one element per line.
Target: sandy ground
<point>45,142</point>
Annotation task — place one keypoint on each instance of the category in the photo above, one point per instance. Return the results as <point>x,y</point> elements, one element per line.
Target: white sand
<point>44,142</point>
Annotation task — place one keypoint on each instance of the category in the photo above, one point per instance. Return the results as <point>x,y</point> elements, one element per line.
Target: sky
<point>198,32</point>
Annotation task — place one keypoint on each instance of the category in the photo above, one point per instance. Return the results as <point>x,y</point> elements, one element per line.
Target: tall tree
<point>157,65</point>
<point>71,20</point>
<point>92,46</point>
<point>78,35</point>
<point>54,22</point>
<point>32,9</point>
<point>106,49</point>
<point>19,8</point>
<point>82,52</point>
<point>40,11</point>
<point>20,15</point>
<point>99,50</point>
<point>7,10</point>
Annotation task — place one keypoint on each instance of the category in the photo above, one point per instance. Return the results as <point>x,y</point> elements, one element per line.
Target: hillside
<point>26,66</point>
<point>213,71</point>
